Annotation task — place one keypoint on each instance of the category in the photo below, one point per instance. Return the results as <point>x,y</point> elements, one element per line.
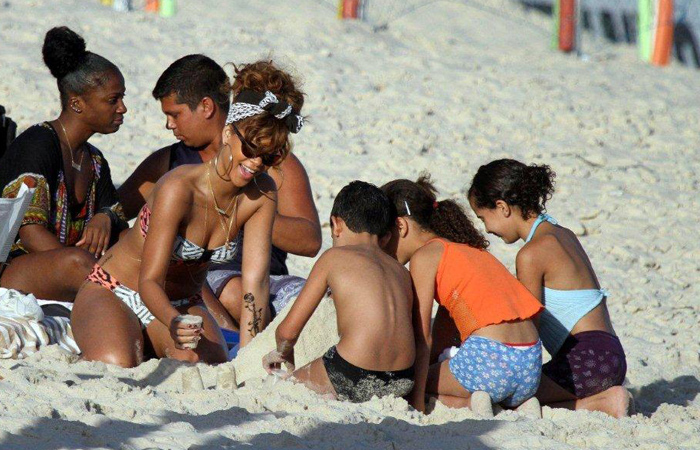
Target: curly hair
<point>517,184</point>
<point>265,131</point>
<point>446,218</point>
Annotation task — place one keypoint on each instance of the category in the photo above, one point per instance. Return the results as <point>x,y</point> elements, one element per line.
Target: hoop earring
<point>230,163</point>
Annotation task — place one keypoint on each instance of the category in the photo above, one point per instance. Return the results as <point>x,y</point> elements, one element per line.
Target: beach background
<point>445,88</point>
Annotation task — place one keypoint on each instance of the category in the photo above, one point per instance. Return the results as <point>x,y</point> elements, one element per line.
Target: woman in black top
<point>74,209</point>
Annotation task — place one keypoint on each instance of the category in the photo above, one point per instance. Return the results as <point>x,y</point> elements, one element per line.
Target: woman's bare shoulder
<point>177,182</point>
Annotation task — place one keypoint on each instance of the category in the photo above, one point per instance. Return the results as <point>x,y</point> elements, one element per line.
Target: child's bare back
<point>373,296</point>
<point>373,299</point>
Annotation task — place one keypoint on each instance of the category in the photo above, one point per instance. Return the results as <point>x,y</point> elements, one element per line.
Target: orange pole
<point>151,6</point>
<point>663,43</point>
<point>350,8</point>
<point>567,25</point>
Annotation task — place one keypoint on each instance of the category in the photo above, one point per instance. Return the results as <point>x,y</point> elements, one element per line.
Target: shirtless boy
<point>373,298</point>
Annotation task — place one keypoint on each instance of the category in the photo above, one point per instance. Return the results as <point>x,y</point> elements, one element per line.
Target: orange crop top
<point>478,291</point>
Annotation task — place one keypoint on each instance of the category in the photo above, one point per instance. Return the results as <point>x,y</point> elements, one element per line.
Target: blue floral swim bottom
<point>509,374</point>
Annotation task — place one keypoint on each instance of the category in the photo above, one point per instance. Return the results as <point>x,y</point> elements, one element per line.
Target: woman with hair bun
<point>588,363</point>
<point>483,308</point>
<point>74,210</point>
<point>133,302</point>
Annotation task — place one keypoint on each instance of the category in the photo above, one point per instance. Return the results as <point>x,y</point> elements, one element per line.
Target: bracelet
<point>117,222</point>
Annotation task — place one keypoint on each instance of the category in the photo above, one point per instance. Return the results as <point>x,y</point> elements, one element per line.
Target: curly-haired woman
<point>133,300</point>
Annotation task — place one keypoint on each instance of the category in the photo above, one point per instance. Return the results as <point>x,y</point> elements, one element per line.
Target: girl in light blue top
<point>588,363</point>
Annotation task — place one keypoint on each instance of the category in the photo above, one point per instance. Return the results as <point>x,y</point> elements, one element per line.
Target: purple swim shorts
<point>588,363</point>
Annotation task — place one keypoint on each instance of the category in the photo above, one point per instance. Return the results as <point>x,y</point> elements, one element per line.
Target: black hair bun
<point>63,51</point>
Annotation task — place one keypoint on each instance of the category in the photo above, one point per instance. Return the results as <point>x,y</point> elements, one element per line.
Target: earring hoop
<point>230,161</point>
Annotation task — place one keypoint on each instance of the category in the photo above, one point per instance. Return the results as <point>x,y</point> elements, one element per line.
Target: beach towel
<point>24,329</point>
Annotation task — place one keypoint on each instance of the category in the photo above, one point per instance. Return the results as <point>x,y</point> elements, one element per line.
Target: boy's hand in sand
<point>185,335</point>
<point>272,362</point>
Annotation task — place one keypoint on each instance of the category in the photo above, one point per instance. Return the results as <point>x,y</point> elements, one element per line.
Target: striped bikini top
<point>187,252</point>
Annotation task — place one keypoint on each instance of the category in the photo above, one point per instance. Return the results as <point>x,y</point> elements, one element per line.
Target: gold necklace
<point>79,166</point>
<point>223,212</point>
<point>232,217</point>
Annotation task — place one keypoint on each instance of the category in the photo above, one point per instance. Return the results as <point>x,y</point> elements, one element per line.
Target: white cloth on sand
<point>24,329</point>
<point>15,305</point>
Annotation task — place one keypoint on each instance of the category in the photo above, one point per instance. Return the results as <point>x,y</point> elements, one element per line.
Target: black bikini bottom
<point>360,385</point>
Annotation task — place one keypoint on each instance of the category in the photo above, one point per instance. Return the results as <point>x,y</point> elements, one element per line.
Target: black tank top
<point>181,154</point>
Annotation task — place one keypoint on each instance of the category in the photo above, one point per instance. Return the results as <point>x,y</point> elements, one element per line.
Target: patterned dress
<point>35,159</point>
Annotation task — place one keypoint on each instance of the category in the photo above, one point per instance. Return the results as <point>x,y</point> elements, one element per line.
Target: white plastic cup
<point>189,319</point>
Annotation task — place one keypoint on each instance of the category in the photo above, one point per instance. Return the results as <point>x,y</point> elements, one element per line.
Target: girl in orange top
<point>482,305</point>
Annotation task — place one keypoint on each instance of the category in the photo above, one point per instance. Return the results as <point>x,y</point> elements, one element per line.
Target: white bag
<point>15,305</point>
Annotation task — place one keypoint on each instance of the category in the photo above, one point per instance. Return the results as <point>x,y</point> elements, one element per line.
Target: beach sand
<point>446,88</point>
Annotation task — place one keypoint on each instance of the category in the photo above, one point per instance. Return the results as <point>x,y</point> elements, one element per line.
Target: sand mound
<point>320,333</point>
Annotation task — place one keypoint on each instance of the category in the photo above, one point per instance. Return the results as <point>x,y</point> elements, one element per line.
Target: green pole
<point>645,18</point>
<point>167,8</point>
<point>555,32</point>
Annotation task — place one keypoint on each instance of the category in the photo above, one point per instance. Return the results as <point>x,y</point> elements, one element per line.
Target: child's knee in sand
<point>616,401</point>
<point>482,405</point>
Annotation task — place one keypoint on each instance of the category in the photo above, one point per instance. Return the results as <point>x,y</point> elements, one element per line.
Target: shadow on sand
<point>680,391</point>
<point>228,428</point>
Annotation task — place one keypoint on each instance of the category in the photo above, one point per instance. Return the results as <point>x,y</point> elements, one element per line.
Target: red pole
<point>663,43</point>
<point>350,8</point>
<point>567,25</point>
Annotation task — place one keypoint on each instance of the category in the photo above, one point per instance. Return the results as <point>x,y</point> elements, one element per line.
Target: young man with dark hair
<point>373,298</point>
<point>194,95</point>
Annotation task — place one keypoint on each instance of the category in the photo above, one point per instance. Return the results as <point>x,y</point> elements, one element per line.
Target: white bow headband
<point>250,103</point>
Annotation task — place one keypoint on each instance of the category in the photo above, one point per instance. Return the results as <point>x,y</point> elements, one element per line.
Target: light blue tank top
<point>563,309</point>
